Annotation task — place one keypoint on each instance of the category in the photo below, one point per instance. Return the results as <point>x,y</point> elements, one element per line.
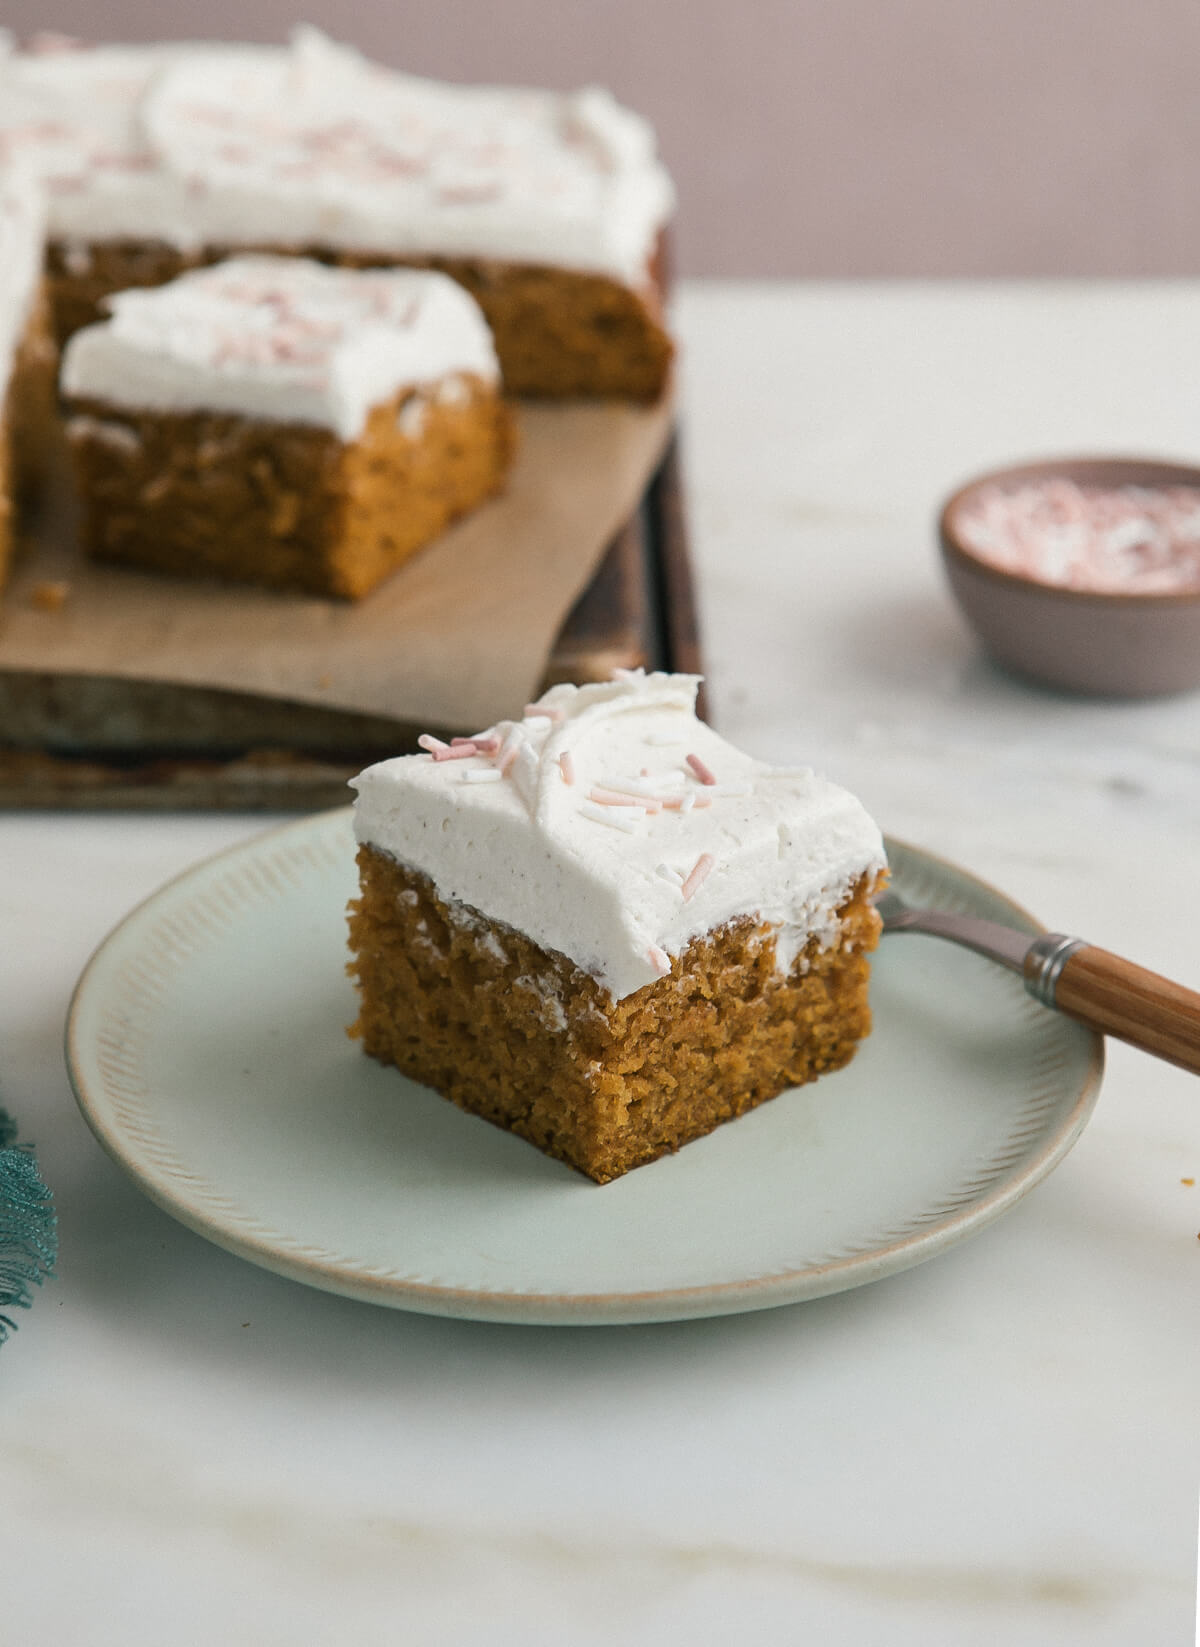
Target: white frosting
<point>281,339</point>
<point>311,145</point>
<point>604,884</point>
<point>21,228</point>
<point>75,115</point>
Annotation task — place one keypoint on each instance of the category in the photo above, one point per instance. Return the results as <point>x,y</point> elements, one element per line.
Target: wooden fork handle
<point>1115,997</point>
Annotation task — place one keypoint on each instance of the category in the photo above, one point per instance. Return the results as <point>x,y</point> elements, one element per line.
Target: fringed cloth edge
<point>28,1226</point>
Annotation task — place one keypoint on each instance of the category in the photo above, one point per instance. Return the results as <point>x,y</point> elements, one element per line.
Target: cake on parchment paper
<point>275,421</point>
<point>605,929</point>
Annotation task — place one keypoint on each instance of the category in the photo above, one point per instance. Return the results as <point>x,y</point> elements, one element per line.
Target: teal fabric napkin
<point>28,1226</point>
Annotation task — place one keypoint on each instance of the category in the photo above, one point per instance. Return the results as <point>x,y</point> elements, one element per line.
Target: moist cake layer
<point>287,506</point>
<point>526,1040</point>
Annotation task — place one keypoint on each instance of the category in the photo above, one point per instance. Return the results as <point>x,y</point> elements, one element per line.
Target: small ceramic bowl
<point>1119,645</point>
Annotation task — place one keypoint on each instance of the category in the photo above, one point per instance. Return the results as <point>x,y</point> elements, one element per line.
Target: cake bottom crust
<point>525,1039</point>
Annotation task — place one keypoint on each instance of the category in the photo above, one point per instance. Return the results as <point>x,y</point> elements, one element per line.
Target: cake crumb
<point>1188,1181</point>
<point>50,595</point>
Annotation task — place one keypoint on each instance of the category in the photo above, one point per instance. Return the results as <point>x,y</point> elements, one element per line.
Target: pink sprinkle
<point>700,871</point>
<point>486,746</point>
<point>700,769</point>
<point>614,797</point>
<point>566,766</point>
<point>539,709</point>
<point>454,741</point>
<point>637,795</point>
<point>659,960</point>
<point>509,754</point>
<point>459,750</point>
<point>1121,539</point>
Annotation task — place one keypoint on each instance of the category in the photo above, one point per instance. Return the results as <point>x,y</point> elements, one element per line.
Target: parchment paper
<point>458,637</point>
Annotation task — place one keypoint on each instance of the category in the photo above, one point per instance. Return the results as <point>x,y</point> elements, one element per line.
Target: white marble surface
<point>999,1446</point>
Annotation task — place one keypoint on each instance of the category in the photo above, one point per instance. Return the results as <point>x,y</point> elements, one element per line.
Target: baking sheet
<point>457,638</point>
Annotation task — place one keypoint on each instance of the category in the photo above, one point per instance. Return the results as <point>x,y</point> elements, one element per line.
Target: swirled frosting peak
<point>611,825</point>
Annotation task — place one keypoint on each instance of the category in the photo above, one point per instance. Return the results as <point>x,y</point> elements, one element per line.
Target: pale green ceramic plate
<point>207,1048</point>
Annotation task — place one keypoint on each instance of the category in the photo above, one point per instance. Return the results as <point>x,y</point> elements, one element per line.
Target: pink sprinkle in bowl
<point>1116,644</point>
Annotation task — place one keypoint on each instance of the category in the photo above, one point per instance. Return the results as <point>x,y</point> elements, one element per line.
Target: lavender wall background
<point>818,138</point>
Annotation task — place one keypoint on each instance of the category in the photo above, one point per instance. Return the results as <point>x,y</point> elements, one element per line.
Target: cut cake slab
<point>549,207</point>
<point>605,929</point>
<point>273,421</point>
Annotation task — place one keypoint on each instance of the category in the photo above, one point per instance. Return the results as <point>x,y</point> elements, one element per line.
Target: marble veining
<point>997,1446</point>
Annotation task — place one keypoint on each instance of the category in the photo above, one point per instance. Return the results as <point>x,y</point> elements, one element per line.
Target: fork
<point>1091,985</point>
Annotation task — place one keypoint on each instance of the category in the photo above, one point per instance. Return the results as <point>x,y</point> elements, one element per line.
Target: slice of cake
<point>274,421</point>
<point>607,930</point>
<point>548,207</point>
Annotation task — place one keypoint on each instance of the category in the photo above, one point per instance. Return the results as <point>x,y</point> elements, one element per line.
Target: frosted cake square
<point>549,207</point>
<point>274,421</point>
<point>607,930</point>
